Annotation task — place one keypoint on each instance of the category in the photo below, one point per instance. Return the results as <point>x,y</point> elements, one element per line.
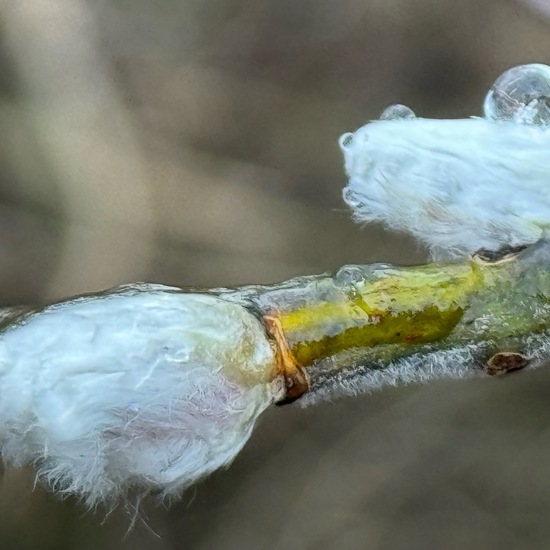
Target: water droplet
<point>522,95</point>
<point>352,199</point>
<point>397,111</point>
<point>346,140</point>
<point>349,275</point>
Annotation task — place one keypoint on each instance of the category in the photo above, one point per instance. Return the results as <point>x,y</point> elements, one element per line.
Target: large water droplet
<point>521,94</point>
<point>397,111</point>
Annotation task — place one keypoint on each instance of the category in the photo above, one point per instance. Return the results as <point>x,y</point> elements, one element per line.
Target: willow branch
<point>150,388</point>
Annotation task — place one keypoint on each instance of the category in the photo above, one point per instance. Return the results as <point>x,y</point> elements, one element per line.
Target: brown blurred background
<point>194,143</point>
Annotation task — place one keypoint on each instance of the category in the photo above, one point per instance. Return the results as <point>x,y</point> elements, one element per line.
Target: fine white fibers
<point>456,185</point>
<point>458,362</point>
<point>454,363</point>
<point>138,390</point>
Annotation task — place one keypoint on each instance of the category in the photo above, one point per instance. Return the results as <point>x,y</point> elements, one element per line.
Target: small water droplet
<point>397,111</point>
<point>522,95</point>
<point>346,140</point>
<point>349,275</point>
<point>352,199</point>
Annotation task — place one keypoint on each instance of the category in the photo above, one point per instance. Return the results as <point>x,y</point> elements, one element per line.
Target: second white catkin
<point>457,185</point>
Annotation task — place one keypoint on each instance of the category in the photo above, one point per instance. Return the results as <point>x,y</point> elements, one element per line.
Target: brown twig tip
<point>504,362</point>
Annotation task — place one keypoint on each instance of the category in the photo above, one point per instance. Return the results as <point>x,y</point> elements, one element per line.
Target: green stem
<point>371,318</point>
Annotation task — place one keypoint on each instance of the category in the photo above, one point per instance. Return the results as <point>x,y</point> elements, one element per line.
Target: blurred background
<point>194,143</point>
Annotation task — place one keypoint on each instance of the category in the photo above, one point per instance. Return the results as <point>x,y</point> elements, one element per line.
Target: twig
<point>149,388</point>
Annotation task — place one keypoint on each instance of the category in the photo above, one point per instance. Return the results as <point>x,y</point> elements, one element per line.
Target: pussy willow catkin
<point>459,185</point>
<point>145,387</point>
<point>148,388</point>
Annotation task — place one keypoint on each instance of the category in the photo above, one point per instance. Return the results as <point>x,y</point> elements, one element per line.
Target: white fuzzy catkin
<point>459,185</point>
<point>145,388</point>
